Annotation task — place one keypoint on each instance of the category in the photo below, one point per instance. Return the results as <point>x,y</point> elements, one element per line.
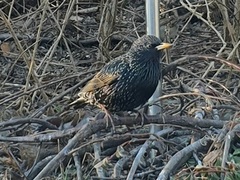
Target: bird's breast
<point>134,86</point>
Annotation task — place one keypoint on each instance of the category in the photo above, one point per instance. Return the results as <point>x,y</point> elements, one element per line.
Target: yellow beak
<point>163,46</point>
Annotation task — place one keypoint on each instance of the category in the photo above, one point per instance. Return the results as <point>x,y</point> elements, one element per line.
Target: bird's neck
<point>142,59</point>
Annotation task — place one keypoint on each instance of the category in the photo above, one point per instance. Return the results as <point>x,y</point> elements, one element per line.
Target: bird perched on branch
<point>127,81</point>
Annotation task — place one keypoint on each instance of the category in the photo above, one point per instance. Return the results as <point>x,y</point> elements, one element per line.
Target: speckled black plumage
<point>128,81</point>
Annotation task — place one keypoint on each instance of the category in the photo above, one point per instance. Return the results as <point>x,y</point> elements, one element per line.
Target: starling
<point>127,81</point>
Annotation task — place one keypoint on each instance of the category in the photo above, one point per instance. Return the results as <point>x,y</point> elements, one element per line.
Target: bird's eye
<point>149,46</point>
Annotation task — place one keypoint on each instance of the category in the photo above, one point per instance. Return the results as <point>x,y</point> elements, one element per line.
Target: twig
<point>19,121</point>
<point>19,94</point>
<point>143,149</point>
<point>41,110</point>
<point>97,153</point>
<point>32,66</point>
<point>106,28</point>
<point>86,10</point>
<point>181,157</point>
<point>94,127</point>
<point>51,51</point>
<point>137,159</point>
<point>78,166</point>
<point>198,15</point>
<point>228,139</point>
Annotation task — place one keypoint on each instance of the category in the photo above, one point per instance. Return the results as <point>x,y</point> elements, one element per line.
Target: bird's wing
<point>98,81</point>
<point>108,74</point>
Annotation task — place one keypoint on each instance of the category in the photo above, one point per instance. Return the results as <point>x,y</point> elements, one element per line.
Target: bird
<point>128,81</point>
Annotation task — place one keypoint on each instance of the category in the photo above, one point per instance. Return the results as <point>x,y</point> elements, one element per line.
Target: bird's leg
<point>109,117</point>
<point>142,115</point>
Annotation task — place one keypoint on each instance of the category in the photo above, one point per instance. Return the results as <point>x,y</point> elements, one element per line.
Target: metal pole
<point>152,21</point>
<point>152,17</point>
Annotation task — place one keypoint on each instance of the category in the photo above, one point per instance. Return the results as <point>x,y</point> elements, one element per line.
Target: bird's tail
<point>78,103</point>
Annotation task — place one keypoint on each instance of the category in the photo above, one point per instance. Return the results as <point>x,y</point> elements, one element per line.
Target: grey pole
<point>152,17</point>
<point>152,21</point>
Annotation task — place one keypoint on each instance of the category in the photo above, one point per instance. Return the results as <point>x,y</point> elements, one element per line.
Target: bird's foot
<point>142,115</point>
<point>110,118</point>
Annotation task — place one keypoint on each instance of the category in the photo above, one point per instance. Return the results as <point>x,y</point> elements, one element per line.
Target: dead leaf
<point>211,157</point>
<point>5,47</point>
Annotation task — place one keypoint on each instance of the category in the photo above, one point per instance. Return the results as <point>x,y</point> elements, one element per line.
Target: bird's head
<point>148,45</point>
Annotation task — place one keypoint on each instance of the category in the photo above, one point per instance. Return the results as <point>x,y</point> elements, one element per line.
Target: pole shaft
<point>152,21</point>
